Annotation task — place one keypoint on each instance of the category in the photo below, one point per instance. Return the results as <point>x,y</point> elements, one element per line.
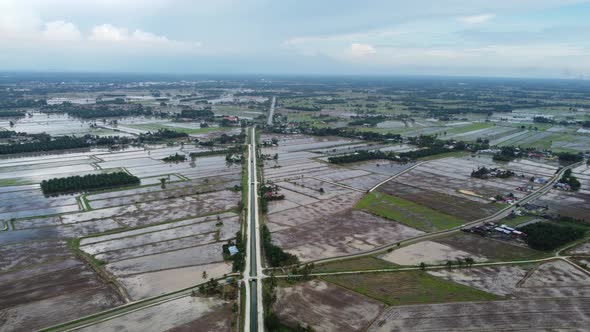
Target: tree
<point>422,266</point>
<point>163,183</point>
<point>469,261</point>
<point>459,262</point>
<point>204,274</point>
<point>449,265</point>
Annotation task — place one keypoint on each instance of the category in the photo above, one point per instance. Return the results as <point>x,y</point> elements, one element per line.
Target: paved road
<point>271,112</point>
<point>253,272</point>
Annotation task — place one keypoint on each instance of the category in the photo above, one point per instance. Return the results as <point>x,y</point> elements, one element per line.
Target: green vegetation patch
<point>549,236</point>
<point>408,287</point>
<point>407,212</point>
<point>355,264</point>
<point>88,182</point>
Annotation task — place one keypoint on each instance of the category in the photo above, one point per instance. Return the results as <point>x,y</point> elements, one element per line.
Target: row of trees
<point>60,143</point>
<point>12,114</point>
<point>22,103</point>
<point>101,110</point>
<point>275,256</point>
<point>160,135</point>
<point>362,156</point>
<point>484,172</point>
<point>87,182</point>
<point>175,158</point>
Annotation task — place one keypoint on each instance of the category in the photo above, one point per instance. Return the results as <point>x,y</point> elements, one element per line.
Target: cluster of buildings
<point>491,229</point>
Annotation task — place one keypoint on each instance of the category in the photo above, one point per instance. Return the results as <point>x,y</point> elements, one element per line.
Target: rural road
<point>271,112</point>
<point>440,267</point>
<point>253,274</point>
<point>494,217</point>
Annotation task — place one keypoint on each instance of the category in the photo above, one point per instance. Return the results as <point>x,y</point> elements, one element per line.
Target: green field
<point>407,212</point>
<point>355,264</point>
<point>409,287</point>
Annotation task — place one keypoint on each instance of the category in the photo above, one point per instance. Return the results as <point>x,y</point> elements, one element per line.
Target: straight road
<point>271,112</point>
<point>253,272</point>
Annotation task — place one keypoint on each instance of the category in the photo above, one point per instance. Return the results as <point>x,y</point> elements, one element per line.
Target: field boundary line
<point>396,175</point>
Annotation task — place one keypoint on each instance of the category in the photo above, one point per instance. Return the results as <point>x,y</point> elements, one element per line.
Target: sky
<point>507,38</point>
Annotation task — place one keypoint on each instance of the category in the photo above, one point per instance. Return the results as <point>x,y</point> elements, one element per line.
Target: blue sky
<point>512,38</point>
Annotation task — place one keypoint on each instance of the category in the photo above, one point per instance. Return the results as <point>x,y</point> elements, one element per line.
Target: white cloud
<point>61,31</point>
<point>109,33</point>
<point>476,19</point>
<point>358,50</point>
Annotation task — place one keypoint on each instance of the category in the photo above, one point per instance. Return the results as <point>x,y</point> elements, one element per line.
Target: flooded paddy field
<point>428,252</point>
<point>445,185</point>
<point>494,250</point>
<point>525,315</point>
<point>316,219</point>
<point>42,283</point>
<point>148,239</point>
<point>337,234</point>
<point>325,307</point>
<point>554,279</point>
<point>182,314</point>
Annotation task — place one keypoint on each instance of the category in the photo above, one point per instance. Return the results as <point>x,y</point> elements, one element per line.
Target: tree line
<point>87,182</point>
<point>275,255</point>
<point>160,135</point>
<point>548,236</point>
<point>59,143</point>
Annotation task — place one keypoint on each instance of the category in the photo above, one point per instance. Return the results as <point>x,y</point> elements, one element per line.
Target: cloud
<point>110,33</point>
<point>475,19</point>
<point>358,50</point>
<point>61,31</point>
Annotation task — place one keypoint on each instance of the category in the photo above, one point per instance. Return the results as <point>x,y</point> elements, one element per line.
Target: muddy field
<point>513,315</point>
<point>44,277</point>
<point>325,307</point>
<point>315,219</point>
<point>183,314</point>
<point>156,243</point>
<point>581,249</point>
<point>446,185</point>
<point>492,249</point>
<point>553,279</point>
<point>499,280</point>
<point>428,252</point>
<point>575,204</point>
<point>347,232</point>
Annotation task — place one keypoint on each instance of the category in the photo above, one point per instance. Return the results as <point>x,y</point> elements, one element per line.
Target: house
<point>540,180</point>
<point>231,118</point>
<point>232,250</point>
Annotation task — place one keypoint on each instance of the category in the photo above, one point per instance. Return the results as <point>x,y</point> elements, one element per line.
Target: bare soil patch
<point>325,307</point>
